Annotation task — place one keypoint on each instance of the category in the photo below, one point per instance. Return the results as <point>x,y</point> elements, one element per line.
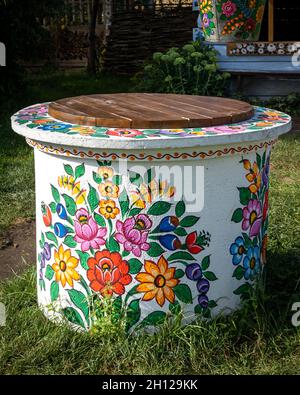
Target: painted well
<point>109,232</point>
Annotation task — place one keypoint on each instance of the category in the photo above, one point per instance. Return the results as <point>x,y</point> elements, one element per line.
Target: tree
<point>92,50</point>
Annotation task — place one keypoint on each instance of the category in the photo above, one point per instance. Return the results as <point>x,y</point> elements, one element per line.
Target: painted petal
<point>81,212</point>
<point>172,282</point>
<point>245,224</point>
<point>99,275</point>
<point>160,297</point>
<point>91,262</point>
<point>145,287</point>
<point>93,226</point>
<point>147,221</point>
<point>134,235</point>
<point>125,280</point>
<point>152,268</point>
<point>87,232</point>
<point>107,277</point>
<point>163,265</point>
<point>96,286</point>
<point>169,294</point>
<point>145,246</point>
<point>127,246</point>
<point>119,226</point>
<point>63,279</point>
<point>120,238</point>
<point>119,288</point>
<point>72,262</point>
<point>115,276</point>
<point>69,279</point>
<point>145,278</point>
<point>169,273</point>
<point>191,238</point>
<point>123,267</point>
<point>246,213</point>
<point>255,228</point>
<point>116,258</point>
<point>149,295</point>
<point>101,232</point>
<point>55,267</point>
<point>136,251</point>
<point>61,253</point>
<point>94,244</point>
<point>91,275</point>
<point>128,224</point>
<point>85,246</point>
<point>78,239</point>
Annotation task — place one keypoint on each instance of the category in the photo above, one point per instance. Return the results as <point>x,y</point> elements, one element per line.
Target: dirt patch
<point>17,248</point>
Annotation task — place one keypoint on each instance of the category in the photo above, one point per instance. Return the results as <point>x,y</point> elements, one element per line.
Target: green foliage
<point>191,69</point>
<point>289,104</point>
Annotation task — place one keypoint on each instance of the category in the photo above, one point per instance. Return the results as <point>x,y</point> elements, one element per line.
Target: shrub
<point>191,69</point>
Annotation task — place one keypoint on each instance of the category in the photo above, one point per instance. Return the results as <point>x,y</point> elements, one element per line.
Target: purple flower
<point>174,132</point>
<point>252,217</point>
<point>88,233</point>
<point>203,286</point>
<point>133,233</point>
<point>266,171</point>
<point>42,263</point>
<point>203,301</point>
<point>47,251</point>
<point>227,129</point>
<point>205,20</point>
<point>193,271</point>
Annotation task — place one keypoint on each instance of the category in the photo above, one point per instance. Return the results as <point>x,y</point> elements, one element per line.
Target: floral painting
<point>122,238</point>
<point>240,19</point>
<point>36,118</point>
<point>248,250</point>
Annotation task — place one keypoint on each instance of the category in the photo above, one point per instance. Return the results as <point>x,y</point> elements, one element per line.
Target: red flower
<point>108,273</point>
<point>191,241</point>
<point>124,132</point>
<point>47,216</point>
<point>266,206</point>
<point>250,24</point>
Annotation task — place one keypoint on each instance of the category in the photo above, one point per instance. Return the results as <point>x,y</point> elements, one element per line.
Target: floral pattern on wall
<point>122,238</point>
<point>36,117</point>
<point>240,19</point>
<point>248,250</point>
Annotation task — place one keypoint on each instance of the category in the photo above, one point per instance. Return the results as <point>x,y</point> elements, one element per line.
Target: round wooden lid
<point>147,110</point>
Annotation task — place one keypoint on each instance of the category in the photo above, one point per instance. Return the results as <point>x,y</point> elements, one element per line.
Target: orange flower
<point>254,177</point>
<point>105,172</point>
<point>108,189</point>
<point>64,267</point>
<point>157,282</point>
<point>108,209</point>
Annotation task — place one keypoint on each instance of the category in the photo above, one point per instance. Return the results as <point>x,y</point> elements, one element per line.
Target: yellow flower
<point>148,193</point>
<point>252,3</point>
<point>206,6</point>
<point>105,172</point>
<point>64,267</point>
<point>157,282</point>
<point>108,209</point>
<point>68,182</point>
<point>108,189</point>
<point>260,13</point>
<point>83,130</point>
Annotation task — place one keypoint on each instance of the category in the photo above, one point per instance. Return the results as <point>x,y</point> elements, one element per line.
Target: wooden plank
<point>271,20</point>
<point>148,110</point>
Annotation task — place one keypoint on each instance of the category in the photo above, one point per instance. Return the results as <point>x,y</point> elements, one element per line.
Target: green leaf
<point>112,245</point>
<point>54,291</point>
<point>258,160</point>
<point>263,159</point>
<point>73,316</point>
<point>212,304</point>
<point>183,293</point>
<point>134,211</point>
<point>83,257</point>
<point>131,292</point>
<point>93,198</point>
<point>79,171</point>
<point>51,236</point>
<point>181,255</point>
<point>124,202</point>
<point>239,273</point>
<point>247,240</point>
<point>69,170</point>
<point>117,179</point>
<point>210,276</point>
<point>134,266</point>
<point>179,273</point>
<point>205,262</point>
<point>244,289</point>
<point>97,178</point>
<point>55,194</point>
<point>180,208</point>
<point>237,216</point>
<point>80,301</point>
<point>189,220</point>
<point>155,249</point>
<point>135,178</point>
<point>175,308</point>
<point>49,273</point>
<point>42,284</point>
<point>159,208</point>
<point>154,318</point>
<point>69,241</point>
<point>198,309</point>
<point>133,313</point>
<point>180,232</point>
<point>52,206</point>
<point>70,204</point>
<point>245,196</point>
<point>100,220</point>
<point>149,175</point>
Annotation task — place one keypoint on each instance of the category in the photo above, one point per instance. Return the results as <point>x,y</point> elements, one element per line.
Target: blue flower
<point>60,230</point>
<point>168,224</point>
<point>55,126</point>
<point>251,263</point>
<point>170,242</point>
<point>237,249</point>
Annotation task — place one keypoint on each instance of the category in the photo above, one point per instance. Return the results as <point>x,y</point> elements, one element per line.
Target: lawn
<point>259,339</point>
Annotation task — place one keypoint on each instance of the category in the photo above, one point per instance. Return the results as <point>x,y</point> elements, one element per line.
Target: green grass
<point>259,339</point>
<point>16,158</point>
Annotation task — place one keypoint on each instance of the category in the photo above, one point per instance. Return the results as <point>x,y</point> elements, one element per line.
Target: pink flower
<point>88,233</point>
<point>252,217</point>
<point>229,8</point>
<point>227,129</point>
<point>133,233</point>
